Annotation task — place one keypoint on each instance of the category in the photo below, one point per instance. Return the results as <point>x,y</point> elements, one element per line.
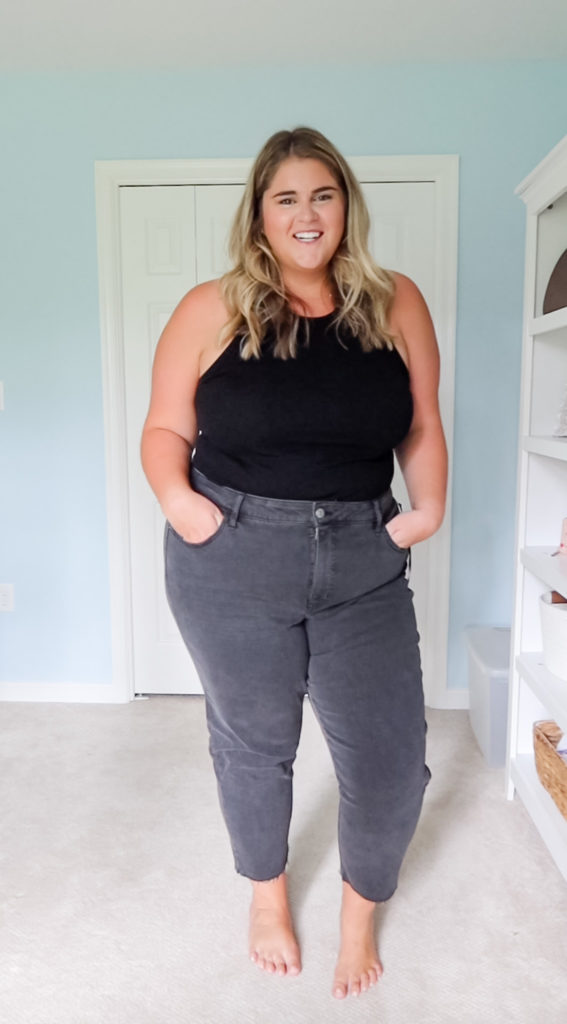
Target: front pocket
<point>390,540</point>
<point>391,513</point>
<point>201,543</point>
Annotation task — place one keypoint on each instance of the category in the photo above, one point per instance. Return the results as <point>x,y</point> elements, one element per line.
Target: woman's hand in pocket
<point>409,528</point>
<point>193,516</point>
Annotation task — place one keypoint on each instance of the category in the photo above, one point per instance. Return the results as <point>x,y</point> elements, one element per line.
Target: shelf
<point>551,447</point>
<point>541,496</point>
<point>548,322</point>
<point>551,570</point>
<point>549,689</point>
<point>547,818</point>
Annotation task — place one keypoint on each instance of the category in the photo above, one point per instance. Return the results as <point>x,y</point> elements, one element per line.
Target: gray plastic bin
<point>489,664</point>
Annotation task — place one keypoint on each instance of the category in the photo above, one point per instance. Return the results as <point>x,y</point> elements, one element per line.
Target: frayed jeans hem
<point>255,877</point>
<point>371,899</point>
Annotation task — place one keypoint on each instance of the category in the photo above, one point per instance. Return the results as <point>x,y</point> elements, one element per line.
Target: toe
<point>294,967</point>
<point>339,991</point>
<point>280,967</point>
<point>354,987</point>
<point>364,981</point>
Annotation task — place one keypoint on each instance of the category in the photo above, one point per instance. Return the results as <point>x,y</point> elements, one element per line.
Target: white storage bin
<point>554,635</point>
<point>489,664</point>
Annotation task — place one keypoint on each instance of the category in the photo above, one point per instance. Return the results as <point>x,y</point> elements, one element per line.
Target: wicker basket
<point>551,769</point>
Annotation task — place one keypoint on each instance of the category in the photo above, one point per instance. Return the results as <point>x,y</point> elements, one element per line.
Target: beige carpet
<point>120,905</point>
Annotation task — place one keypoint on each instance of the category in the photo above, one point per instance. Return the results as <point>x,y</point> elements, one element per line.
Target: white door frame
<point>110,176</point>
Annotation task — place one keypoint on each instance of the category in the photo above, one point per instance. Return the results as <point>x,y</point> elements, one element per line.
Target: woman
<point>294,378</point>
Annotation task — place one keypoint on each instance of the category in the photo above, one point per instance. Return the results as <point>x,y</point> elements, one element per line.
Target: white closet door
<point>215,206</point>
<point>188,226</point>
<point>402,238</point>
<point>158,267</point>
<point>402,233</point>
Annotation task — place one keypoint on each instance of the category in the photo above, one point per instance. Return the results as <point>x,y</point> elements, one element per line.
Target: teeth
<point>308,235</point>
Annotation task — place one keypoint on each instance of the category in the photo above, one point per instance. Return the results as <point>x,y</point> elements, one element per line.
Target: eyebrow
<point>293,192</point>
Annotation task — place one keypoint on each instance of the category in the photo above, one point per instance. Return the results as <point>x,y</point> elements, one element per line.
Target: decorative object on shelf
<point>561,428</point>
<point>541,505</point>
<point>553,610</point>
<point>550,766</point>
<point>556,291</point>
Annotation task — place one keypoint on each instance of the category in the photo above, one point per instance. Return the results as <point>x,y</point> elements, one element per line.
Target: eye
<point>286,201</point>
<point>324,197</point>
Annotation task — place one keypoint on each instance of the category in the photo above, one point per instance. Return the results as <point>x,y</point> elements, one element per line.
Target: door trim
<point>110,176</point>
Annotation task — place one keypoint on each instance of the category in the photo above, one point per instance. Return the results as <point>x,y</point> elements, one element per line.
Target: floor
<point>120,904</point>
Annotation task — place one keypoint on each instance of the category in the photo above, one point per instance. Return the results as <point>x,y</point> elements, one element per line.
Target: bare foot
<point>273,945</point>
<point>358,966</point>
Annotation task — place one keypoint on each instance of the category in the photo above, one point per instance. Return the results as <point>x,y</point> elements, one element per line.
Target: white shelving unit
<point>542,497</point>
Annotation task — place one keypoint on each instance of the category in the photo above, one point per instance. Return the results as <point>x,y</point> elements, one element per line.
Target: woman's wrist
<point>410,528</point>
<point>174,498</point>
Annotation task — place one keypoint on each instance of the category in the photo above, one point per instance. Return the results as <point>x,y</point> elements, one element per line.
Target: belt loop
<point>379,518</point>
<point>234,512</point>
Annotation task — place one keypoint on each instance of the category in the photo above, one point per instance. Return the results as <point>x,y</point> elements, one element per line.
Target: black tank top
<point>321,426</point>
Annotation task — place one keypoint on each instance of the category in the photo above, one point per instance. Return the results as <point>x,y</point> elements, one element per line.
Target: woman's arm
<point>422,455</point>
<point>170,430</point>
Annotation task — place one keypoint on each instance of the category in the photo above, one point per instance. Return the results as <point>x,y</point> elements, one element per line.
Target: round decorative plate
<point>556,292</point>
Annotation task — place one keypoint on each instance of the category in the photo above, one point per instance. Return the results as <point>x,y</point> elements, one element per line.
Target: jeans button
<point>319,512</point>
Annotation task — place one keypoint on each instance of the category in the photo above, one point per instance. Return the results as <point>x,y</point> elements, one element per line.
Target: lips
<point>307,236</point>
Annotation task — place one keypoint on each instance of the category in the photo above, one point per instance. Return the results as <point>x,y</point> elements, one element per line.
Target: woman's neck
<point>311,298</point>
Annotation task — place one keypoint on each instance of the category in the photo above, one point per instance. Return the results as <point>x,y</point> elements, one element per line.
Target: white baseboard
<point>451,700</point>
<point>101,693</point>
<point>62,693</point>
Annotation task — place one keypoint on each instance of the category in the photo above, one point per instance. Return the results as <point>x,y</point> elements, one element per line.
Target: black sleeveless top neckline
<point>321,426</point>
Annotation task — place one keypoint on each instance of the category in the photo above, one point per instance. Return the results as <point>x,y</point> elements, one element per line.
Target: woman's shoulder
<point>190,338</point>
<point>410,323</point>
<point>204,305</point>
<point>406,294</point>
<point>408,309</point>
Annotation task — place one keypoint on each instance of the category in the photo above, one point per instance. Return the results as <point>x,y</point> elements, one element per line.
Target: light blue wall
<point>501,118</point>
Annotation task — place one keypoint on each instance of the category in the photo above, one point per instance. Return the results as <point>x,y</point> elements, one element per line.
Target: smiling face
<point>303,216</point>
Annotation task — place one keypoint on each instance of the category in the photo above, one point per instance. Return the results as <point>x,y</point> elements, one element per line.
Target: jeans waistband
<point>238,505</point>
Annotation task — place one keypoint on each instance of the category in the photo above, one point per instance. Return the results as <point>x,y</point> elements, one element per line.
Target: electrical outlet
<point>6,597</point>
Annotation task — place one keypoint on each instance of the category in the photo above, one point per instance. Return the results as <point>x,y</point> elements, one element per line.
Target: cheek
<point>270,225</point>
<point>275,229</point>
<point>335,223</point>
<point>340,222</point>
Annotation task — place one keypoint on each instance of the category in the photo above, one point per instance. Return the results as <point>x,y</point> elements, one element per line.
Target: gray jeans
<point>290,598</point>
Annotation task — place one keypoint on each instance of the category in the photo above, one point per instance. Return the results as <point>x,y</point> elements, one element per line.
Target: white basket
<point>554,635</point>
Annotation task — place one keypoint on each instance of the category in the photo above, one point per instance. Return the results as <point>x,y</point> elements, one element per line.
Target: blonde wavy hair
<point>254,292</point>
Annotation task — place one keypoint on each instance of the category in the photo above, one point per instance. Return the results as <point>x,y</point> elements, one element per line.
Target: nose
<point>306,212</point>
